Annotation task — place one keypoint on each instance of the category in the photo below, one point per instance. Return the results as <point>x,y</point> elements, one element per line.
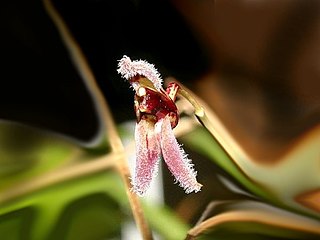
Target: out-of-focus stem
<point>83,67</point>
<point>198,109</point>
<point>262,216</point>
<point>59,176</point>
<point>222,136</point>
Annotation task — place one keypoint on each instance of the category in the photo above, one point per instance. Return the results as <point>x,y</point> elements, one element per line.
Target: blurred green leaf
<point>201,141</point>
<point>165,222</point>
<point>27,152</point>
<point>84,207</point>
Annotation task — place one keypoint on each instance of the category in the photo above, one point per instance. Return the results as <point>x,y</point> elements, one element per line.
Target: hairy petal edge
<point>129,69</point>
<point>176,158</point>
<point>147,157</point>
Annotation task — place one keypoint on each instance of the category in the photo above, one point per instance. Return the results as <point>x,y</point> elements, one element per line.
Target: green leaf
<point>201,141</point>
<point>28,152</point>
<point>85,206</point>
<point>67,210</point>
<point>164,221</point>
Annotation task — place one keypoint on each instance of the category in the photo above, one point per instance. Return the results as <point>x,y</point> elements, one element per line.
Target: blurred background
<point>255,62</point>
<point>264,53</point>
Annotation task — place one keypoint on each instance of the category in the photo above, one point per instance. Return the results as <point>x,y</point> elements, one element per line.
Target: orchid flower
<point>157,115</point>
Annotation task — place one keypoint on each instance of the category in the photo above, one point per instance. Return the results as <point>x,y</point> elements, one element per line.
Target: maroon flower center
<point>153,105</point>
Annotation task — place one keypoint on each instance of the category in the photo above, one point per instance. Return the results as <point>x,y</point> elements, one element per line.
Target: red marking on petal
<point>172,90</point>
<point>175,157</point>
<point>158,104</point>
<point>147,156</point>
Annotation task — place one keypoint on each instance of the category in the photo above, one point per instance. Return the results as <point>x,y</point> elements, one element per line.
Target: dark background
<point>40,86</point>
<point>267,93</point>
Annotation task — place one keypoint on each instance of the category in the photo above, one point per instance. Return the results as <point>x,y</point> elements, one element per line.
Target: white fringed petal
<point>147,157</point>
<point>129,69</point>
<point>175,157</point>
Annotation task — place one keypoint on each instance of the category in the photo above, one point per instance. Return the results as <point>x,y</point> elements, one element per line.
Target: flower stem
<point>61,175</point>
<point>101,105</point>
<point>198,109</point>
<point>258,213</point>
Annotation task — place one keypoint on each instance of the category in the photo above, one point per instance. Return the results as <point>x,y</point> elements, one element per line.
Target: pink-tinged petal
<point>175,157</point>
<point>147,157</point>
<point>129,69</point>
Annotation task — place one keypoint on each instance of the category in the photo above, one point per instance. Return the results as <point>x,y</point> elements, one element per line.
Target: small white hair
<point>129,69</point>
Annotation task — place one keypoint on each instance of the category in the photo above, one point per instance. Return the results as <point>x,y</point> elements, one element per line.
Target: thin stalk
<point>222,136</point>
<point>60,175</point>
<point>198,109</point>
<point>83,67</point>
<point>261,216</point>
<point>214,126</point>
